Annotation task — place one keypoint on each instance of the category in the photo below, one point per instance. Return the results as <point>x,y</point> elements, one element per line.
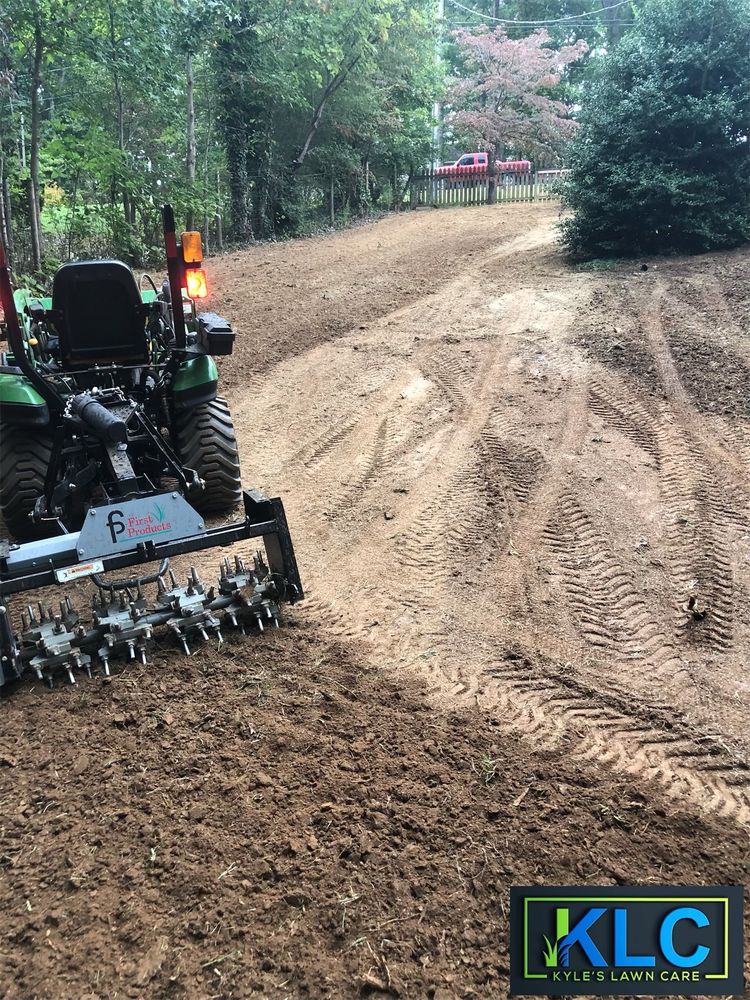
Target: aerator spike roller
<point>114,447</point>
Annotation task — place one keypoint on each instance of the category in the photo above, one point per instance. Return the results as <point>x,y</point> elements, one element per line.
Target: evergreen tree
<point>662,159</point>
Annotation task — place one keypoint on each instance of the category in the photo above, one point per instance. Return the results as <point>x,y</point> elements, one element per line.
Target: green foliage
<point>288,93</point>
<point>662,160</point>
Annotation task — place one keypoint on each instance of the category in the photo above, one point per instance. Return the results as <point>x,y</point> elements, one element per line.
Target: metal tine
<point>161,586</point>
<point>260,622</point>
<point>68,604</point>
<point>144,659</point>
<point>182,639</point>
<point>172,578</point>
<point>71,675</point>
<point>105,665</point>
<point>24,621</point>
<point>131,650</point>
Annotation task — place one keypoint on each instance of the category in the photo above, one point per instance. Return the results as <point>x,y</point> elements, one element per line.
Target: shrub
<point>662,159</point>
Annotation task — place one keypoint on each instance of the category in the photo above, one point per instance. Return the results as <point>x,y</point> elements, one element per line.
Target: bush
<point>662,159</point>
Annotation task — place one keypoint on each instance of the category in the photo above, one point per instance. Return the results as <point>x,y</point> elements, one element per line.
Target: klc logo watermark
<point>647,940</point>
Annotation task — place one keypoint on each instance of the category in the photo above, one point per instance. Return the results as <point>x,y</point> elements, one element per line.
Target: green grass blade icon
<point>550,953</point>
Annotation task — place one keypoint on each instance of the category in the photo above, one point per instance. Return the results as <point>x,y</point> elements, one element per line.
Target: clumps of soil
<point>272,820</point>
<point>610,331</point>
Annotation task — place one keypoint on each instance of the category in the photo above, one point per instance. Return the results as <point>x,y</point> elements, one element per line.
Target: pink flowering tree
<point>504,97</point>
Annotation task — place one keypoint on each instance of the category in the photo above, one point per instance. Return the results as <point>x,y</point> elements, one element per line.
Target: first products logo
<point>645,940</point>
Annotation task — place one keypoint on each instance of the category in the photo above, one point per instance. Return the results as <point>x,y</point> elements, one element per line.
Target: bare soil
<point>518,491</point>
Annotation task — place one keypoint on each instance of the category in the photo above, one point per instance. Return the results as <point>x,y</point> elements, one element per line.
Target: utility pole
<point>437,110</point>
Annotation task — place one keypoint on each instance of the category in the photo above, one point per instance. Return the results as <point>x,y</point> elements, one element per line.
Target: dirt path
<point>518,493</point>
<point>482,502</point>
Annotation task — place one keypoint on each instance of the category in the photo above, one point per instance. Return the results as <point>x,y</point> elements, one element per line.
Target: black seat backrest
<point>98,314</point>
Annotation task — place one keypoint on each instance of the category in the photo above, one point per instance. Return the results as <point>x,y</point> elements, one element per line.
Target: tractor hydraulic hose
<point>100,421</point>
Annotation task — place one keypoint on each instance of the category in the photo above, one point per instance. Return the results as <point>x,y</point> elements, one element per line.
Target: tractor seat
<point>98,314</point>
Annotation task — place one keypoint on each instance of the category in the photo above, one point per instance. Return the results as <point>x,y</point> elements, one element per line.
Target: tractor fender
<point>20,403</point>
<point>196,382</point>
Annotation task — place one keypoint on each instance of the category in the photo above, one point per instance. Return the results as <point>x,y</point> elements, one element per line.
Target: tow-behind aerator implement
<point>114,446</point>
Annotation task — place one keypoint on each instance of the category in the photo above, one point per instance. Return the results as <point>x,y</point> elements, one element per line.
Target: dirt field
<point>519,495</point>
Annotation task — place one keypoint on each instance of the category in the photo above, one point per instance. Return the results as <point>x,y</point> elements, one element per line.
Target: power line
<point>559,20</point>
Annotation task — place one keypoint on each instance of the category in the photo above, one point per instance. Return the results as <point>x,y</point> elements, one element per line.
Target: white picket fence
<point>470,186</point>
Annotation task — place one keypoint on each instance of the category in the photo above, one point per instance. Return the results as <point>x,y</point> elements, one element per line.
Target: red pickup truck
<point>476,163</point>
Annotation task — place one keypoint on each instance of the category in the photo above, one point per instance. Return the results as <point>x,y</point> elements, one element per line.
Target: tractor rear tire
<point>25,455</point>
<point>205,441</point>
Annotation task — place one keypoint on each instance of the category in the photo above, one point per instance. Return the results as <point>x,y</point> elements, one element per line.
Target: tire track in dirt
<point>697,522</point>
<point>557,710</point>
<point>703,506</point>
<point>488,455</point>
<point>612,615</point>
<point>628,418</point>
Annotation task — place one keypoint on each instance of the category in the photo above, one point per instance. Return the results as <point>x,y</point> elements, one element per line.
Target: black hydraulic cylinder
<point>98,419</point>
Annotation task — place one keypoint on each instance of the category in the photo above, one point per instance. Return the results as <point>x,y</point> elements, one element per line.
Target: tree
<point>662,159</point>
<point>504,100</point>
<point>108,108</point>
<point>293,75</point>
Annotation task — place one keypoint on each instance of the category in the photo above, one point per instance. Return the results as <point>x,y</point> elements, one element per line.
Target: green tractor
<point>115,449</point>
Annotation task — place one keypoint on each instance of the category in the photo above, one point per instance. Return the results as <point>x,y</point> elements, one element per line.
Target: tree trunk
<point>190,140</point>
<point>328,91</point>
<point>219,221</point>
<point>4,228</point>
<point>8,221</point>
<point>34,185</point>
<point>22,144</point>
<point>128,210</point>
<point>491,176</point>
<point>237,165</point>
